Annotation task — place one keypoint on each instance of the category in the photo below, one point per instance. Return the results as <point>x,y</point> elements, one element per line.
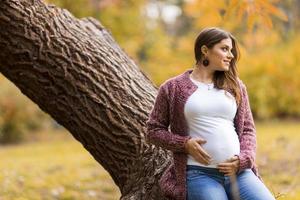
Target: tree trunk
<point>74,71</point>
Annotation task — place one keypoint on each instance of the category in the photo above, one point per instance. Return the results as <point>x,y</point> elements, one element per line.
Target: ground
<point>55,166</point>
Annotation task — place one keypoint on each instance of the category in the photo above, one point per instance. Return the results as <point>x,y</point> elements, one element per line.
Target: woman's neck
<point>202,74</point>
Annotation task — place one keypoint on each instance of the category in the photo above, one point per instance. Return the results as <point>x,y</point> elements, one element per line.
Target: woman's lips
<point>227,62</point>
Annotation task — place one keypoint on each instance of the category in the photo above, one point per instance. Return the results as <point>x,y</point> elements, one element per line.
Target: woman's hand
<point>193,147</point>
<point>230,166</point>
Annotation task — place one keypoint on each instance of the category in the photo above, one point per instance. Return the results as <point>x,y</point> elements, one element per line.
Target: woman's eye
<point>224,48</point>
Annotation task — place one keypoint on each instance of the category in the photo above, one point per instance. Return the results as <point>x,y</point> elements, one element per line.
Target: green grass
<point>278,157</point>
<point>56,166</point>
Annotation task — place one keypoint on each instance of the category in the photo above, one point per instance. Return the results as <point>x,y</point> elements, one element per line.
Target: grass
<point>55,166</point>
<point>278,158</point>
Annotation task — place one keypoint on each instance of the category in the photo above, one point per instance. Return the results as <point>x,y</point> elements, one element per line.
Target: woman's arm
<point>157,125</point>
<point>248,136</point>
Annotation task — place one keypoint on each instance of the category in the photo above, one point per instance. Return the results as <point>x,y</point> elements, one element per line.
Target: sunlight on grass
<point>55,169</point>
<point>278,158</point>
<point>58,167</point>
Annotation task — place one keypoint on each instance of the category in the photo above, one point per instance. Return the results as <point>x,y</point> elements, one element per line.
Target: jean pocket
<point>192,173</point>
<point>248,170</point>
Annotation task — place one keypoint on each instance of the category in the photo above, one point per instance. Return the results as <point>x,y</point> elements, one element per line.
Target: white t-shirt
<point>210,115</point>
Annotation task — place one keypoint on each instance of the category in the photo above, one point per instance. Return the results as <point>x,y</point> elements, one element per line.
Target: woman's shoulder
<point>243,88</point>
<point>181,78</point>
<point>241,83</point>
<point>172,81</point>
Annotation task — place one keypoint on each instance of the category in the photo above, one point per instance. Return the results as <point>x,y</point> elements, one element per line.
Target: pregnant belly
<point>221,144</point>
<point>222,150</point>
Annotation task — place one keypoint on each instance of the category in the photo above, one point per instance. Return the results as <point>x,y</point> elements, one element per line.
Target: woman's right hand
<point>193,147</point>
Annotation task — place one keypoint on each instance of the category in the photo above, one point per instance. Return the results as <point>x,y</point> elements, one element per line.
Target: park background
<point>41,160</point>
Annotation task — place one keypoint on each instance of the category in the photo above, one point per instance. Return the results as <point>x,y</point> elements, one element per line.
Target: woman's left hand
<point>230,166</point>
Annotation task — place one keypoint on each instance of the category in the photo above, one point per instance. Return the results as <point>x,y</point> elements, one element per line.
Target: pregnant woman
<point>203,116</point>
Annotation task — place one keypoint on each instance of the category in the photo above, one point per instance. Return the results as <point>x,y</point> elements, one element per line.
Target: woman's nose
<point>230,55</point>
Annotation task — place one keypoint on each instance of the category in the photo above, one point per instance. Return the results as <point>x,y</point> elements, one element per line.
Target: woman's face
<point>220,55</point>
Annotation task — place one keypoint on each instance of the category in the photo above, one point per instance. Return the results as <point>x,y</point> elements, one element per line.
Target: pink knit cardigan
<point>168,110</point>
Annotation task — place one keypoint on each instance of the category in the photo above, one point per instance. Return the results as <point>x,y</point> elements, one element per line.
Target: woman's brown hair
<point>226,80</point>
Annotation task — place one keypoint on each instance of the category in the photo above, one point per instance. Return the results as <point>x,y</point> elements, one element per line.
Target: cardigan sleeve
<point>248,141</point>
<point>158,122</point>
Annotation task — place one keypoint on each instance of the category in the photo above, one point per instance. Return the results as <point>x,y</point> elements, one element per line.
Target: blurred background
<point>41,160</point>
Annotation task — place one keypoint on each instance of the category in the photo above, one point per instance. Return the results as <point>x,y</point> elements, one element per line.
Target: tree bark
<point>75,71</point>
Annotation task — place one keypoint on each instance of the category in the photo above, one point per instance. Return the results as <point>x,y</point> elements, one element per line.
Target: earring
<point>205,62</point>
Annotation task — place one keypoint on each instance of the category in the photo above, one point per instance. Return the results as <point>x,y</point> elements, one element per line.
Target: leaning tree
<point>75,71</point>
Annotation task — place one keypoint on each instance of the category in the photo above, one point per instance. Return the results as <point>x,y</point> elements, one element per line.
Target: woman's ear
<point>204,49</point>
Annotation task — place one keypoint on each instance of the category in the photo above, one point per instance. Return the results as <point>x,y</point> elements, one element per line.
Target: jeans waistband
<point>205,169</point>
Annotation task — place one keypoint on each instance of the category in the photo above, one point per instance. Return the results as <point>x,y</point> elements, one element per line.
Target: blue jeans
<point>205,183</point>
